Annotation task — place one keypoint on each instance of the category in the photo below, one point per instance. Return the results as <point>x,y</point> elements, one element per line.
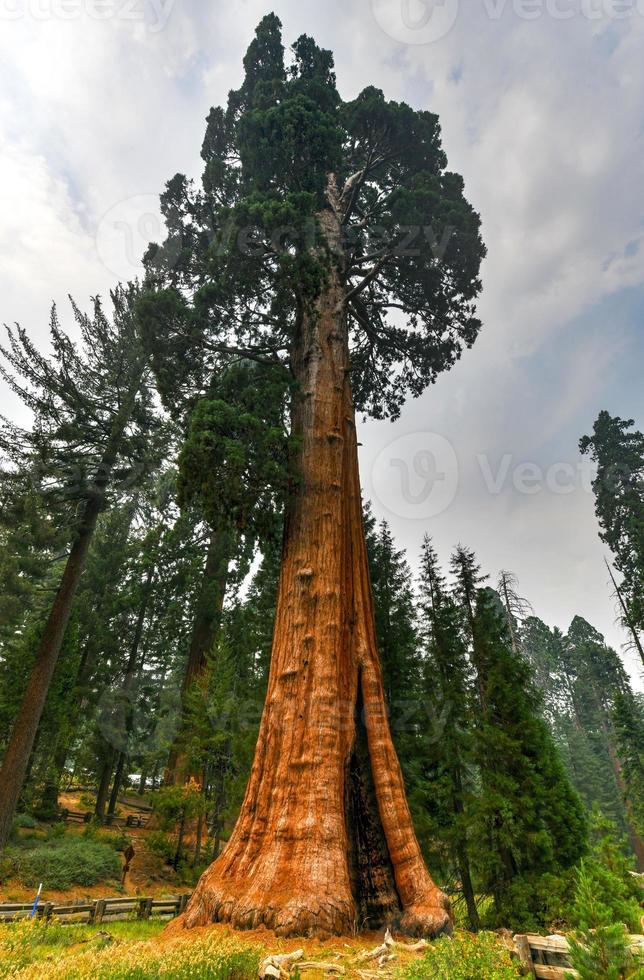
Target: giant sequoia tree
<point>329,237</point>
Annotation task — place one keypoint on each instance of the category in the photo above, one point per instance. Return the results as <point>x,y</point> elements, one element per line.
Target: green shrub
<point>24,821</point>
<point>57,831</point>
<point>599,950</point>
<point>93,832</point>
<point>532,903</point>
<point>160,844</point>
<point>120,842</point>
<point>46,814</point>
<point>463,958</point>
<point>70,862</point>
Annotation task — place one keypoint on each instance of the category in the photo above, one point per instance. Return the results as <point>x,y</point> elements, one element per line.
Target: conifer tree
<point>530,820</point>
<point>619,505</point>
<point>394,612</point>
<point>233,467</point>
<point>448,682</point>
<point>600,678</point>
<point>330,239</point>
<point>561,677</point>
<point>93,436</point>
<point>628,720</point>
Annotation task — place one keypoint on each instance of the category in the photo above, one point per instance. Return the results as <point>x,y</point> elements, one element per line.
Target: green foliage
<point>589,706</point>
<point>60,864</point>
<point>161,844</point>
<point>119,842</point>
<point>24,821</point>
<point>618,452</point>
<point>526,819</point>
<point>628,719</point>
<point>171,803</point>
<point>463,958</point>
<point>245,254</point>
<point>608,869</point>
<point>234,461</point>
<point>599,950</point>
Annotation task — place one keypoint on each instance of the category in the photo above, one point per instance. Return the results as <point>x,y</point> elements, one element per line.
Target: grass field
<point>142,950</point>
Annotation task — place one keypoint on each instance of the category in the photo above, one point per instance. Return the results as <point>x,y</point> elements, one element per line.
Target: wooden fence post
<point>522,945</point>
<point>145,908</point>
<point>99,910</point>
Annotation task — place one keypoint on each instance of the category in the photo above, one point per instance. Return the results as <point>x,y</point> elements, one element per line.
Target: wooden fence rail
<point>99,910</point>
<point>548,957</point>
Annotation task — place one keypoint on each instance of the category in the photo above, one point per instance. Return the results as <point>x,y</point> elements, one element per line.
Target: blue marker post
<point>34,907</point>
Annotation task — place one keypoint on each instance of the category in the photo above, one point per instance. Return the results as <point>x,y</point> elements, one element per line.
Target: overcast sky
<point>542,109</point>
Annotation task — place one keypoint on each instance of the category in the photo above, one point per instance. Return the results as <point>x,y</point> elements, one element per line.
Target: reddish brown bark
<point>16,758</point>
<point>324,842</point>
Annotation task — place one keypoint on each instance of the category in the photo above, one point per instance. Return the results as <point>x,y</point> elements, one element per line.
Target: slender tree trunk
<point>16,757</point>
<point>509,617</point>
<point>128,685</point>
<point>51,789</point>
<point>142,781</point>
<point>204,631</point>
<point>104,783</point>
<point>462,856</point>
<point>198,840</point>
<point>324,840</point>
<point>75,709</point>
<point>626,615</point>
<point>116,785</point>
<point>14,765</point>
<point>635,840</point>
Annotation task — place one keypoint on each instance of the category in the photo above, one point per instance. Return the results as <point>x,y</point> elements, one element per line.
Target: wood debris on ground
<point>279,965</point>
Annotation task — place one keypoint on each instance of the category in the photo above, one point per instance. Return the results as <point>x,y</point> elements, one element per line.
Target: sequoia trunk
<point>324,842</point>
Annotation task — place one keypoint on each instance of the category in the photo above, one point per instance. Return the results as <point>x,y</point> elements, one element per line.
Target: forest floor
<point>149,874</point>
<point>138,951</point>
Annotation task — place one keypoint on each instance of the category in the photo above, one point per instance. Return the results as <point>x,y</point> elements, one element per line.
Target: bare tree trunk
<point>104,783</point>
<point>324,840</point>
<point>462,855</point>
<point>16,757</point>
<point>51,789</point>
<point>508,615</point>
<point>128,684</point>
<point>635,840</point>
<point>626,615</point>
<point>204,631</point>
<point>117,783</point>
